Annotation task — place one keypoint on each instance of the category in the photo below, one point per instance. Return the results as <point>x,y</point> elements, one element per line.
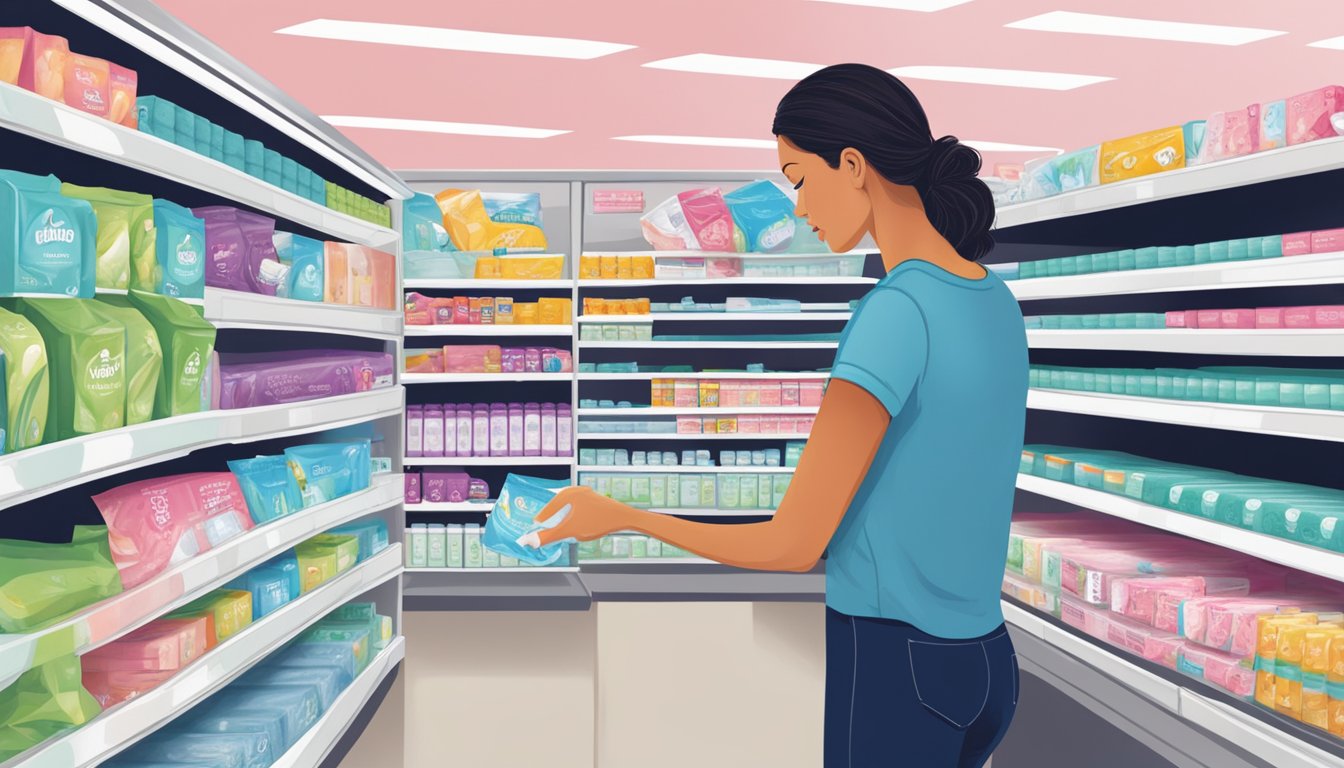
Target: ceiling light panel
<point>1008,78</point>
<point>702,141</point>
<point>1334,43</point>
<point>740,66</point>
<point>448,39</point>
<point>1146,29</point>
<point>439,126</point>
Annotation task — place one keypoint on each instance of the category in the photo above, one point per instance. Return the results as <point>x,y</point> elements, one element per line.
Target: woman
<point>908,477</point>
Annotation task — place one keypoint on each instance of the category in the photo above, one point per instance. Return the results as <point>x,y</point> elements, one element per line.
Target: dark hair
<point>855,105</point>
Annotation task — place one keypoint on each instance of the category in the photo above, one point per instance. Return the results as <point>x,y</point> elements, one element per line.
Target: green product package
<point>44,701</point>
<point>41,582</point>
<point>187,341</point>
<point>87,355</point>
<point>343,546</point>
<point>144,357</point>
<point>125,241</point>
<point>27,382</point>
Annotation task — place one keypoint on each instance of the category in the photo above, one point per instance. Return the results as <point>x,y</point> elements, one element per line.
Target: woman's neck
<point>903,232</point>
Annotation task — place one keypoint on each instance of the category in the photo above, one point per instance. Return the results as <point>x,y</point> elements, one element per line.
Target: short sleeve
<point>885,348</point>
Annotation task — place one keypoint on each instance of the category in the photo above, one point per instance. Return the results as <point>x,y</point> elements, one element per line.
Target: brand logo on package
<point>104,366</point>
<point>53,231</point>
<point>192,367</point>
<point>618,201</point>
<point>93,96</point>
<point>186,252</point>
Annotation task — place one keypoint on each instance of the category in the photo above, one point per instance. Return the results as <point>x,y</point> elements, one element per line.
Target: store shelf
<point>487,461</point>
<point>1283,163</point>
<point>649,283</point>
<point>464,378</point>
<point>313,747</point>
<point>1316,269</point>
<point>1175,720</point>
<point>1307,423</point>
<point>743,344</point>
<point>179,585</point>
<point>237,309</point>
<point>1299,556</point>
<point>121,726</point>
<point>506,329</point>
<point>519,569</point>
<point>1286,342</point>
<point>716,317</point>
<point>468,284</point>
<point>676,580</point>
<point>696,437</point>
<point>56,123</point>
<point>711,375</point>
<point>659,468</point>
<point>657,254</point>
<point>451,506</point>
<point>45,469</point>
<point>478,589</point>
<point>635,413</point>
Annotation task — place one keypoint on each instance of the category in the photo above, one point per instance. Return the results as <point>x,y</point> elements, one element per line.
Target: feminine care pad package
<point>178,266</point>
<point>26,382</point>
<point>240,250</point>
<point>41,583</point>
<point>269,486</point>
<point>144,356</point>
<point>125,241</point>
<point>86,352</point>
<point>187,342</point>
<point>514,516</point>
<point>305,258</point>
<point>327,471</point>
<point>48,239</point>
<point>254,379</point>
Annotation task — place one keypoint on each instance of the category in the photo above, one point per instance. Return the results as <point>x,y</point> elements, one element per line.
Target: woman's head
<point>840,123</point>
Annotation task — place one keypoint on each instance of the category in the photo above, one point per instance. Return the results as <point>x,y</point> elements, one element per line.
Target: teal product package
<point>269,486</point>
<point>326,472</point>
<point>514,516</point>
<point>306,279</point>
<point>272,585</point>
<point>48,242</point>
<point>180,249</point>
<point>372,535</point>
<point>764,214</point>
<point>422,225</point>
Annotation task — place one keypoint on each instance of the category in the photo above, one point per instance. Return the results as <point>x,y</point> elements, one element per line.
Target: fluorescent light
<point>703,141</point>
<point>1011,78</point>
<point>927,6</point>
<point>999,146</point>
<point>713,64</point>
<point>1335,43</point>
<point>1147,29</point>
<point>453,39</point>
<point>439,126</point>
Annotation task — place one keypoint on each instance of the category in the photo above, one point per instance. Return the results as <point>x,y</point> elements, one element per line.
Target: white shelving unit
<point>236,309</point>
<point>1282,272</point>
<point>1284,342</point>
<point>689,470</point>
<point>488,461</point>
<point>711,375</point>
<point>696,437</point>
<point>502,330</point>
<point>48,468</point>
<point>1306,423</point>
<point>121,726</point>
<point>465,378</point>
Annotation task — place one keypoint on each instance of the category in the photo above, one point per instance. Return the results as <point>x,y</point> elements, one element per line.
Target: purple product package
<point>238,244</point>
<point>478,490</point>
<point>440,487</point>
<point>264,270</point>
<point>532,360</point>
<point>511,360</point>
<point>270,378</point>
<point>412,487</point>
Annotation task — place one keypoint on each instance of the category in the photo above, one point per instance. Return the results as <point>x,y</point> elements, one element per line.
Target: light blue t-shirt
<point>926,537</point>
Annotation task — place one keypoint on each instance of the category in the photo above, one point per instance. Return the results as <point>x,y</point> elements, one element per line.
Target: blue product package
<point>330,679</point>
<point>155,116</point>
<point>422,225</point>
<point>179,246</point>
<point>1273,124</point>
<point>272,585</point>
<point>254,158</point>
<point>48,239</point>
<point>306,280</point>
<point>269,725</point>
<point>272,167</point>
<point>326,472</point>
<point>268,486</point>
<point>514,516</point>
<point>764,214</point>
<point>1194,140</point>
<point>372,535</point>
<point>301,654</point>
<point>301,704</point>
<point>218,750</point>
<point>513,207</point>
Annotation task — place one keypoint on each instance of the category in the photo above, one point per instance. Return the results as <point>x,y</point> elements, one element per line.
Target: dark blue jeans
<point>896,696</point>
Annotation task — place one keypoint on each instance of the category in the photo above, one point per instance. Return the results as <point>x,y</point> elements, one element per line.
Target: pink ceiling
<point>1156,83</point>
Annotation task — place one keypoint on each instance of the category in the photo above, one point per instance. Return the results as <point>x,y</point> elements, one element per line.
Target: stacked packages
<point>489,358</point>
<point>486,310</point>
<point>1279,387</point>
<point>754,491</point>
<point>494,429</point>
<point>757,217</point>
<point>629,546</point>
<point>45,65</point>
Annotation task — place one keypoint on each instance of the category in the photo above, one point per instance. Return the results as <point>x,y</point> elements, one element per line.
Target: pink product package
<point>156,523</point>
<point>413,488</point>
<point>1309,114</point>
<point>1329,316</point>
<point>240,251</point>
<point>1269,317</point>
<point>419,309</point>
<point>1327,241</point>
<point>810,393</point>
<point>1176,319</point>
<point>1209,318</point>
<point>445,487</point>
<point>1231,134</point>
<point>1233,674</point>
<point>113,686</point>
<point>1297,244</point>
<point>471,358</point>
<point>253,379</point>
<point>688,425</point>
<point>477,489</point>
<point>723,267</point>
<point>1236,318</point>
<point>1080,615</point>
<point>165,644</point>
<point>431,361</point>
<point>707,214</point>
<point>1191,318</point>
<point>512,360</point>
<point>1148,599</point>
<point>1299,317</point>
<point>1155,645</point>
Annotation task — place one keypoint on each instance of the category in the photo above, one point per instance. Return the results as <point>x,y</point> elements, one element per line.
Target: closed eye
<point>799,185</point>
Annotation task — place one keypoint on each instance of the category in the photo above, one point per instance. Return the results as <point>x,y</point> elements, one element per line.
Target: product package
<point>272,585</point>
<point>371,533</point>
<point>305,258</point>
<point>153,524</point>
<point>87,356</point>
<point>1309,114</point>
<point>514,516</point>
<point>144,356</point>
<point>327,471</point>
<point>162,644</point>
<point>666,229</point>
<point>125,240</point>
<point>226,612</point>
<point>240,250</point>
<point>422,225</point>
<point>122,86</point>
<point>324,557</point>
<point>87,84</point>
<point>188,342</point>
<point>41,583</point>
<point>467,218</point>
<point>1142,154</point>
<point>44,701</point>
<point>42,69</point>
<point>269,487</point>
<point>762,217</point>
<point>49,240</point>
<point>27,382</point>
<point>369,279</point>
<point>254,379</point>
<point>178,266</point>
<point>708,217</point>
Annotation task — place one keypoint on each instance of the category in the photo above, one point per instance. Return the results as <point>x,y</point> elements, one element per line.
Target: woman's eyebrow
<point>786,166</point>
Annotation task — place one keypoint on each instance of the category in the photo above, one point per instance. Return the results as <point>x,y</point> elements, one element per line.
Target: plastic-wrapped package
<point>269,487</point>
<point>125,240</point>
<point>41,583</point>
<point>328,471</point>
<point>248,380</point>
<point>162,644</point>
<point>240,250</point>
<point>422,225</point>
<point>708,217</point>
<point>514,516</point>
<point>86,352</point>
<point>144,356</point>
<point>178,268</point>
<point>763,214</point>
<point>44,701</point>
<point>666,229</point>
<point>49,239</point>
<point>28,385</point>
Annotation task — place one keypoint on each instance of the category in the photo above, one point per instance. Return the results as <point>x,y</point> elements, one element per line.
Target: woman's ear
<point>854,166</point>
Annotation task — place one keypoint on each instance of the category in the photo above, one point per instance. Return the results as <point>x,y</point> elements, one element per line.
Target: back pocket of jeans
<point>951,679</point>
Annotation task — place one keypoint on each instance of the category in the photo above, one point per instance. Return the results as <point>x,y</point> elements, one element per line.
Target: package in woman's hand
<point>515,515</point>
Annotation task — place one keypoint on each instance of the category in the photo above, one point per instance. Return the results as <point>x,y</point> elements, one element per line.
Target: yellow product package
<point>554,311</point>
<point>608,267</point>
<point>484,222</point>
<point>1288,670</point>
<point>504,310</point>
<point>1268,627</point>
<point>465,219</point>
<point>594,306</point>
<point>1143,154</point>
<point>1315,669</point>
<point>532,267</point>
<point>525,313</point>
<point>590,267</point>
<point>625,268</point>
<point>487,268</point>
<point>641,267</point>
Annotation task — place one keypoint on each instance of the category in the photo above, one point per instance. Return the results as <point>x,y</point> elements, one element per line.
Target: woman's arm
<point>845,438</point>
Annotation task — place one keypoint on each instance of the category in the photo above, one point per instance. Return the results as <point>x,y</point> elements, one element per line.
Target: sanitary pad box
<point>1142,154</point>
<point>87,355</point>
<point>1309,114</point>
<point>1232,134</point>
<point>27,382</point>
<point>47,240</point>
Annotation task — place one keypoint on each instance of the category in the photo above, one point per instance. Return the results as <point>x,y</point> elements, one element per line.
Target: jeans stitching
<point>989,675</point>
<point>853,688</point>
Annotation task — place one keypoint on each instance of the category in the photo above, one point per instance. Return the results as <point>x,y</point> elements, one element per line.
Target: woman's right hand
<point>591,516</point>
